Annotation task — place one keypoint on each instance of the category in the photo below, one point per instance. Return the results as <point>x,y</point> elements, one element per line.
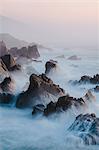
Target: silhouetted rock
<point>3,49</point>
<point>50,65</point>
<point>86,127</point>
<point>40,87</point>
<point>28,52</point>
<point>6,98</point>
<point>10,63</point>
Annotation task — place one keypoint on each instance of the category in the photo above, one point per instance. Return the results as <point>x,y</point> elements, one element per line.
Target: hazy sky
<point>71,23</point>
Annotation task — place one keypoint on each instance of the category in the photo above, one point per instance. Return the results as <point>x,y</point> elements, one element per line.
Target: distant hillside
<point>11,41</point>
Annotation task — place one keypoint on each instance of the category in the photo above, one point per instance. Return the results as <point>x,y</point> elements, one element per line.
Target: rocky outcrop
<point>10,63</point>
<point>28,52</point>
<point>87,79</point>
<point>40,87</point>
<point>38,109</point>
<point>3,70</point>
<point>86,127</point>
<point>50,65</point>
<point>7,85</point>
<point>3,49</point>
<point>66,102</point>
<point>63,104</point>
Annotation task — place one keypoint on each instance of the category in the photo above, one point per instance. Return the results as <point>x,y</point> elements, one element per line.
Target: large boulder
<point>39,91</point>
<point>10,62</point>
<point>86,127</point>
<point>7,85</point>
<point>3,49</point>
<point>50,65</point>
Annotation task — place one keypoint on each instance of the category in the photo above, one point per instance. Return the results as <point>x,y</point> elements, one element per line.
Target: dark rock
<point>96,89</point>
<point>3,70</point>
<point>38,109</point>
<point>6,98</point>
<point>50,109</point>
<point>3,49</point>
<point>63,104</point>
<point>87,127</point>
<point>50,65</point>
<point>7,85</point>
<point>88,79</point>
<point>40,85</point>
<point>10,63</point>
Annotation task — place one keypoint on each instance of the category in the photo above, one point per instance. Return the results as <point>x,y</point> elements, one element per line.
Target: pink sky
<point>69,16</point>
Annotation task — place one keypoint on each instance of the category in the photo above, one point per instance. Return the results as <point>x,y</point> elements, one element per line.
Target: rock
<point>40,86</point>
<point>7,85</point>
<point>74,57</point>
<point>50,65</point>
<point>88,79</point>
<point>86,127</point>
<point>28,52</point>
<point>96,89</point>
<point>33,52</point>
<point>50,109</point>
<point>38,109</point>
<point>3,49</point>
<point>63,104</point>
<point>3,70</point>
<point>10,63</point>
<point>6,98</point>
<point>89,96</point>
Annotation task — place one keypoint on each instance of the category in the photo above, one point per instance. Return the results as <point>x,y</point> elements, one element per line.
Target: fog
<point>66,23</point>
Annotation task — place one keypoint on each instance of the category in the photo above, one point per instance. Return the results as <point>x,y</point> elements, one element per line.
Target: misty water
<point>19,130</point>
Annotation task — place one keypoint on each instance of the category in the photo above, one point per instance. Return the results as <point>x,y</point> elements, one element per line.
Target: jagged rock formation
<point>66,102</point>
<point>40,87</point>
<point>10,63</point>
<point>86,127</point>
<point>3,70</point>
<point>28,52</point>
<point>88,79</point>
<point>50,65</point>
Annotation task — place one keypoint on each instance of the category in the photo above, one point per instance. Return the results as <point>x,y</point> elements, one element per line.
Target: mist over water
<point>19,130</point>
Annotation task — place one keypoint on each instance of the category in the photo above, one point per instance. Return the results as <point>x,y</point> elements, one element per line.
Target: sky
<point>65,23</point>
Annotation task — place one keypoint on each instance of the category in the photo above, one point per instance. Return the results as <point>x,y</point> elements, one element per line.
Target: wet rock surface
<point>7,85</point>
<point>50,65</point>
<point>86,127</point>
<point>40,86</point>
<point>10,63</point>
